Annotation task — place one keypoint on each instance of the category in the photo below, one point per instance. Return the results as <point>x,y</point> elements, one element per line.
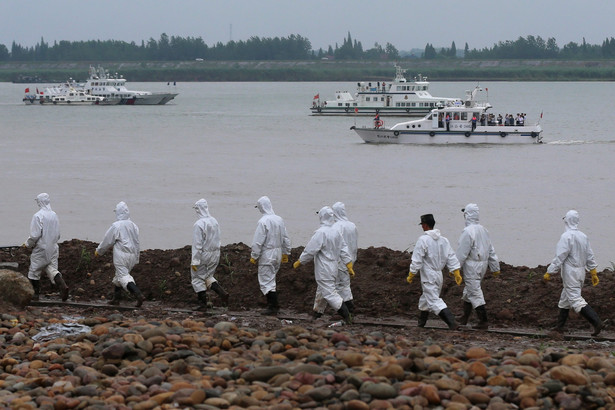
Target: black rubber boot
<point>467,312</point>
<point>350,305</point>
<point>561,320</point>
<point>202,297</point>
<point>316,315</point>
<point>592,317</point>
<point>36,285</point>
<point>117,295</point>
<point>132,288</point>
<point>446,315</point>
<point>423,316</point>
<point>481,312</point>
<point>223,295</point>
<point>272,304</point>
<point>59,281</point>
<point>345,314</point>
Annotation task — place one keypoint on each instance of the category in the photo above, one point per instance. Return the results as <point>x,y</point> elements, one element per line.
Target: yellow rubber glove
<point>547,276</point>
<point>410,277</point>
<point>23,245</point>
<point>595,279</point>
<point>350,270</point>
<point>296,265</point>
<point>496,273</point>
<point>284,258</point>
<point>193,267</point>
<point>458,278</point>
<point>96,255</point>
<point>253,261</point>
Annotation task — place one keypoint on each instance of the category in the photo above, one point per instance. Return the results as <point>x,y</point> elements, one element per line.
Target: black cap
<point>428,219</point>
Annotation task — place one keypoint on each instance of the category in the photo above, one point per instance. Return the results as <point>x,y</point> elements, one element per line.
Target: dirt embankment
<point>518,297</point>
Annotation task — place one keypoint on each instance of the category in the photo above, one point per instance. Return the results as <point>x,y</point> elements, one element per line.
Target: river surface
<point>234,142</point>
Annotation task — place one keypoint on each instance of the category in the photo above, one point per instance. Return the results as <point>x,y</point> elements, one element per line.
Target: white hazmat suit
<point>475,254</point>
<point>431,254</point>
<point>573,255</point>
<point>327,247</point>
<point>44,237</point>
<point>351,236</point>
<point>123,235</point>
<point>205,248</point>
<point>270,242</point>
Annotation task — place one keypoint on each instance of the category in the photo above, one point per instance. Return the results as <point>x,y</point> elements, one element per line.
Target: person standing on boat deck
<point>342,281</point>
<point>327,248</point>
<point>44,237</point>
<point>123,236</point>
<point>448,121</point>
<point>205,255</point>
<point>573,255</point>
<point>474,122</point>
<point>270,247</point>
<point>432,252</point>
<point>475,253</point>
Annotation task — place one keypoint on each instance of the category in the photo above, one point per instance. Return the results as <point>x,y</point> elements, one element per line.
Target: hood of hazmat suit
<point>206,236</point>
<point>264,205</point>
<point>573,255</point>
<point>471,214</point>
<point>44,234</point>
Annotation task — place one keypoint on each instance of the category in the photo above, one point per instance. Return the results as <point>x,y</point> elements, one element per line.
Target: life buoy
<point>431,133</point>
<point>346,109</point>
<point>502,134</point>
<point>378,123</point>
<point>533,134</point>
<point>396,133</point>
<point>467,134</point>
<point>407,109</point>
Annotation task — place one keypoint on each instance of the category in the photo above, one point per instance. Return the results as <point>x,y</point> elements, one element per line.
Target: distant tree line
<point>293,47</point>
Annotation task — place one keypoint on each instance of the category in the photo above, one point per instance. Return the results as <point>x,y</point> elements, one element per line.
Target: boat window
<point>367,99</point>
<point>464,115</point>
<point>456,116</point>
<point>381,98</point>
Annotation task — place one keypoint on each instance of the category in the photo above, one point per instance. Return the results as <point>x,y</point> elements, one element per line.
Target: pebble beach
<point>125,362</point>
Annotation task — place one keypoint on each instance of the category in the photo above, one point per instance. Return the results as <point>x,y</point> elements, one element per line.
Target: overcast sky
<point>405,24</point>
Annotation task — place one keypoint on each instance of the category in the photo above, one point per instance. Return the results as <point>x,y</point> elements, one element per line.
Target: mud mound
<point>518,297</point>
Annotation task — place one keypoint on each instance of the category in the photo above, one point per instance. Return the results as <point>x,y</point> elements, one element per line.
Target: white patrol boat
<point>101,83</point>
<point>467,122</point>
<point>397,98</point>
<point>75,97</point>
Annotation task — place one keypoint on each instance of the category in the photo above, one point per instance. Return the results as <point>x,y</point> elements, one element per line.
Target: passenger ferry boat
<point>469,122</point>
<point>102,84</point>
<point>397,98</point>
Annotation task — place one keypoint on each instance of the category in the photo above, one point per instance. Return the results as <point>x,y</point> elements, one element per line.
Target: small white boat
<point>76,97</point>
<point>469,122</point>
<point>397,98</point>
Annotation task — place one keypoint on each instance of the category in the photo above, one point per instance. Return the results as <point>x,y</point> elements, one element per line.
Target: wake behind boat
<point>467,122</point>
<point>397,98</point>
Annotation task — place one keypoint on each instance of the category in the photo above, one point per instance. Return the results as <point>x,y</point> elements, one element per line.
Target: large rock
<point>15,288</point>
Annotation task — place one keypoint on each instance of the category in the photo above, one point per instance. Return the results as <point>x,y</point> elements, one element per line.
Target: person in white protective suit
<point>205,255</point>
<point>44,237</point>
<point>573,255</point>
<point>270,247</point>
<point>432,252</point>
<point>327,248</point>
<point>475,253</point>
<point>123,236</point>
<point>342,280</point>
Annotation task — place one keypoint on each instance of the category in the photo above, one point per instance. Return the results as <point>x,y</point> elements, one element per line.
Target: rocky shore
<point>131,361</point>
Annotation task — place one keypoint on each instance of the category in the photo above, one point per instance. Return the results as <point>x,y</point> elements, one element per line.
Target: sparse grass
<point>531,274</point>
<point>84,260</point>
<point>162,287</point>
<point>226,261</point>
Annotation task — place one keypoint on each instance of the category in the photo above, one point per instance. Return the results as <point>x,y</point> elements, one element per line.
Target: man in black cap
<point>431,254</point>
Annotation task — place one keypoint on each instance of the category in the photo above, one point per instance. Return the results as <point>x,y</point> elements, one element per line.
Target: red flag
<point>356,109</point>
<point>27,90</point>
<point>317,96</point>
<point>540,114</point>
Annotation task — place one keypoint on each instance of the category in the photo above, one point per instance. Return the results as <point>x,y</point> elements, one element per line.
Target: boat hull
<point>481,135</point>
<point>154,99</point>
